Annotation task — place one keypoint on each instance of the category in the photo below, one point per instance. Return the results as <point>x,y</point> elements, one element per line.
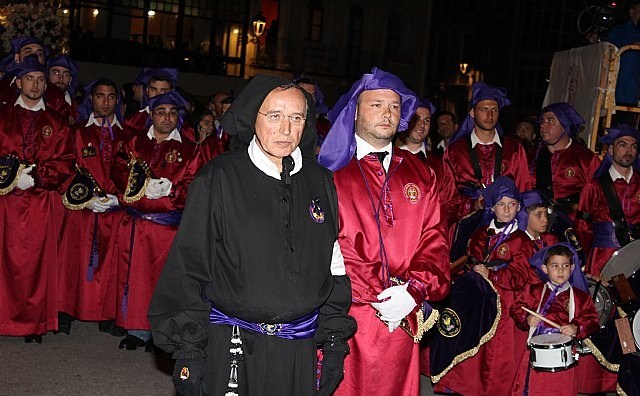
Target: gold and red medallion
<point>412,193</point>
<point>47,131</point>
<point>503,251</point>
<point>570,172</point>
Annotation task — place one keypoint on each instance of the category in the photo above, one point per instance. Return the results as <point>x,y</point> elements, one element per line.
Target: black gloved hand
<point>188,376</point>
<point>332,367</point>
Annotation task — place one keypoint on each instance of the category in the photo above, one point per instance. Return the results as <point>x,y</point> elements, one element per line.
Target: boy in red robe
<point>564,299</point>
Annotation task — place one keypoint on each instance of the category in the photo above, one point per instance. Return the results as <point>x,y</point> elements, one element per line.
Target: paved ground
<point>86,363</point>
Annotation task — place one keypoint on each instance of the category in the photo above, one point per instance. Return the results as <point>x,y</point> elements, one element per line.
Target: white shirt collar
<point>67,98</point>
<point>441,145</point>
<point>531,236</point>
<point>39,106</point>
<point>94,121</point>
<point>262,162</point>
<point>615,175</point>
<point>475,140</point>
<point>507,229</point>
<point>175,135</point>
<point>562,288</point>
<point>146,110</point>
<point>363,148</point>
<point>422,149</point>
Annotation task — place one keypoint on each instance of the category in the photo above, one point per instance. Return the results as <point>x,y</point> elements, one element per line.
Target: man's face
<point>558,269</point>
<point>506,209</point>
<point>550,130</point>
<point>525,131</point>
<point>419,125</point>
<point>30,49</point>
<point>485,115</point>
<point>32,84</point>
<point>217,104</point>
<point>624,151</point>
<point>164,118</point>
<point>60,77</point>
<point>446,126</point>
<point>137,92</point>
<point>538,220</point>
<point>280,122</point>
<point>206,125</point>
<point>378,116</point>
<point>158,87</point>
<point>104,100</point>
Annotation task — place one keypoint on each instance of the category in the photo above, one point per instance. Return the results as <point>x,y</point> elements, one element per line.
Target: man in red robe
<point>156,82</point>
<point>63,73</point>
<point>478,153</point>
<point>392,235</point>
<point>166,163</point>
<point>609,212</point>
<point>87,274</point>
<point>37,138</point>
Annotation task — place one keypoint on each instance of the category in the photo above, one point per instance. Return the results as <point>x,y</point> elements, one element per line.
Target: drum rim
<point>552,346</point>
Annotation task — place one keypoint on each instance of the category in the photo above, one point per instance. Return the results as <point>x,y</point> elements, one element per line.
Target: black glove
<point>188,376</point>
<point>332,368</point>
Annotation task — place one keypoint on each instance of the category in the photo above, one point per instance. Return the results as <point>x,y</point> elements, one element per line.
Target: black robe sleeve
<point>179,313</point>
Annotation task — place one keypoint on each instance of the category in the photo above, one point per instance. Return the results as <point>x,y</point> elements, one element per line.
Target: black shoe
<point>148,346</point>
<point>64,323</point>
<point>109,326</point>
<point>33,339</point>
<point>131,343</point>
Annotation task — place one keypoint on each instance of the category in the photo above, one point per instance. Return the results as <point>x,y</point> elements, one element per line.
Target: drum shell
<point>552,357</point>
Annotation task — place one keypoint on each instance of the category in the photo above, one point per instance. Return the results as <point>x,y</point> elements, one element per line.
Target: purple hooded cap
<point>340,144</point>
<point>86,107</point>
<point>19,42</point>
<point>29,64</point>
<point>612,135</point>
<point>568,117</point>
<point>173,98</point>
<point>164,73</point>
<point>68,63</point>
<point>528,199</point>
<point>426,103</point>
<point>481,91</point>
<point>577,278</point>
<point>503,186</point>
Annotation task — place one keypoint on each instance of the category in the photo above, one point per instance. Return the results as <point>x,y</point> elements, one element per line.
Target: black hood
<point>240,118</point>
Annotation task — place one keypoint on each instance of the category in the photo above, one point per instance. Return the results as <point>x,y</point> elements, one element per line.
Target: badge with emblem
<point>317,214</point>
<point>449,324</point>
<point>184,373</point>
<point>569,172</point>
<point>412,193</point>
<point>10,169</point>
<point>171,156</point>
<point>47,131</point>
<point>503,250</point>
<point>89,151</point>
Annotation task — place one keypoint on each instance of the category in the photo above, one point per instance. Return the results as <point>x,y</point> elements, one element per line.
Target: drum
<point>635,328</point>
<point>552,352</point>
<point>625,262</point>
<point>602,300</point>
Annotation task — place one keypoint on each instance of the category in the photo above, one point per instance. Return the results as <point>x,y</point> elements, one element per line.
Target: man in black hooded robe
<point>255,280</point>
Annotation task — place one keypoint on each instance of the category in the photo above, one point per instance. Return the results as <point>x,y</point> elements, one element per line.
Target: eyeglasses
<point>275,117</point>
<point>164,113</point>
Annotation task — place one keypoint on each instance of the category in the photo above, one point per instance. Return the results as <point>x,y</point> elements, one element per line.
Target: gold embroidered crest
<point>47,131</point>
<point>503,250</point>
<point>171,156</point>
<point>412,193</point>
<point>570,172</point>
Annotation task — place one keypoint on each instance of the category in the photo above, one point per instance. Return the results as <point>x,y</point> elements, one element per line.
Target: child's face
<point>558,269</point>
<point>538,220</point>
<point>506,209</point>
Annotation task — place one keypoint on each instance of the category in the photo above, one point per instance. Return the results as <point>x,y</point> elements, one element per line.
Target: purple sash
<point>304,327</point>
<point>166,219</point>
<point>604,235</point>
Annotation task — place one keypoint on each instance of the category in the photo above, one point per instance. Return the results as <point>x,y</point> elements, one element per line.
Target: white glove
<point>25,180</point>
<point>158,188</point>
<point>102,204</point>
<point>399,304</point>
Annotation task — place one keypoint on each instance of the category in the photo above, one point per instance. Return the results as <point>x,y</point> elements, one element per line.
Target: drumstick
<point>542,318</point>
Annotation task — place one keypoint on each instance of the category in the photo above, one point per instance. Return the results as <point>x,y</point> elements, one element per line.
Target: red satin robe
<point>561,383</point>
<point>593,376</point>
<point>571,169</point>
<point>413,230</point>
<point>83,290</point>
<point>137,121</point>
<point>593,202</point>
<point>458,167</point>
<point>28,270</point>
<point>140,269</point>
<point>491,371</point>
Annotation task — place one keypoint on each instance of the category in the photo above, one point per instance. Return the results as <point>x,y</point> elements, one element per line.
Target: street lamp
<point>259,23</point>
